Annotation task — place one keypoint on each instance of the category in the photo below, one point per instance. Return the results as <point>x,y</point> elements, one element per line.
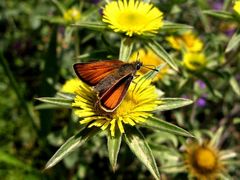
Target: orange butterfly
<point>109,78</point>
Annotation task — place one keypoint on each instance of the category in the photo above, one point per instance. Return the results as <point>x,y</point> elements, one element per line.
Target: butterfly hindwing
<point>111,99</point>
<point>93,72</point>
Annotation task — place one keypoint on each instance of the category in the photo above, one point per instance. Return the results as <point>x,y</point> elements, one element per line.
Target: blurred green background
<point>37,50</point>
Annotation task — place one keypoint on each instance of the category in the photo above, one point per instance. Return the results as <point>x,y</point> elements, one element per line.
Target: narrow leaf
<point>114,144</point>
<point>125,49</point>
<point>141,149</point>
<point>56,101</point>
<point>98,26</point>
<point>173,103</point>
<point>69,96</point>
<point>47,106</point>
<point>234,42</point>
<point>216,137</point>
<point>60,7</point>
<point>162,125</point>
<point>170,26</point>
<point>219,14</point>
<point>235,86</point>
<point>160,51</point>
<point>71,144</point>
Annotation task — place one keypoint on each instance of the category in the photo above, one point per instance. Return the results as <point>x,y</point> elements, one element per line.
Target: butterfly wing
<point>93,72</point>
<point>112,98</point>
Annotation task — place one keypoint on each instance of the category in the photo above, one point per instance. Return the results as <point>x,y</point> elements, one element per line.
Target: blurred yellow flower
<point>236,6</point>
<point>139,103</point>
<point>187,41</point>
<point>194,61</point>
<point>132,17</point>
<point>71,85</point>
<point>203,161</point>
<point>148,57</point>
<point>72,15</point>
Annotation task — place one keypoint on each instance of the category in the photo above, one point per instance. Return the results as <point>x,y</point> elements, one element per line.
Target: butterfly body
<point>110,79</point>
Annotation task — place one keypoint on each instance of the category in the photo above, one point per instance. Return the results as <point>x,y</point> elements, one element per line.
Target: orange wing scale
<point>92,73</point>
<point>111,99</point>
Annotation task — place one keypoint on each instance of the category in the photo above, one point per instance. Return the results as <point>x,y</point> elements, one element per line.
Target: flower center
<point>131,19</point>
<point>205,160</point>
<point>127,106</point>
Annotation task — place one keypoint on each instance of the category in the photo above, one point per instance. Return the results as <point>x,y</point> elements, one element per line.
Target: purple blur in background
<point>201,102</point>
<point>201,84</point>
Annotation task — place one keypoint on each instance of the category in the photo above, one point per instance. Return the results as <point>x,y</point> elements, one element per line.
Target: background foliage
<point>37,50</point>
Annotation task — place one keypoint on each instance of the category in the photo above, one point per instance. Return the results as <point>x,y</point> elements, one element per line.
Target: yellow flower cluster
<point>187,41</point>
<point>70,86</point>
<point>139,103</point>
<point>72,15</point>
<point>236,6</point>
<point>203,161</point>
<point>191,46</point>
<point>132,17</point>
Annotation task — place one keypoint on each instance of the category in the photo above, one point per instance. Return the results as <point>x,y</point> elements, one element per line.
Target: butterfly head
<point>138,65</point>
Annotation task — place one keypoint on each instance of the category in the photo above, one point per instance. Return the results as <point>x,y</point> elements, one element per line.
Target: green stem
<point>77,44</point>
<point>126,48</point>
<point>16,89</point>
<point>226,4</point>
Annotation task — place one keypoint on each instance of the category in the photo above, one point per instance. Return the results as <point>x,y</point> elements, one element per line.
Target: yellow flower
<point>71,85</point>
<point>236,7</point>
<point>194,61</point>
<point>132,17</point>
<point>72,15</point>
<point>141,99</point>
<point>187,41</point>
<point>148,57</point>
<point>203,161</point>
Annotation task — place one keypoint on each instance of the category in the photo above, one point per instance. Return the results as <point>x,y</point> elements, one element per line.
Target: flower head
<point>132,17</point>
<point>236,7</point>
<point>141,99</point>
<point>71,85</point>
<point>72,15</point>
<point>194,61</point>
<point>203,161</point>
<point>148,57</point>
<point>187,41</point>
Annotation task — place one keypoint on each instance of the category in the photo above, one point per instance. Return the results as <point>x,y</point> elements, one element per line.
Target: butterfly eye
<point>138,66</point>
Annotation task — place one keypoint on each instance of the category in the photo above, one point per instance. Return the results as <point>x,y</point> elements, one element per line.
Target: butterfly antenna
<point>153,69</point>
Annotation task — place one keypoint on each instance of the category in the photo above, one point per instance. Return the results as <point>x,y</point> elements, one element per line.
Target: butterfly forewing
<point>111,99</point>
<point>92,73</point>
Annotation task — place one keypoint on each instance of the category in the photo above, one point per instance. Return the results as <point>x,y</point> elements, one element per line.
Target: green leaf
<point>98,26</point>
<point>173,103</point>
<point>48,106</point>
<point>60,7</point>
<point>235,86</point>
<point>69,96</point>
<point>175,26</point>
<point>114,144</point>
<point>234,42</point>
<point>125,49</point>
<point>141,149</point>
<point>71,145</point>
<point>160,51</point>
<point>219,14</point>
<point>216,137</point>
<point>236,120</point>
<point>57,101</point>
<point>162,125</point>
<point>10,160</point>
